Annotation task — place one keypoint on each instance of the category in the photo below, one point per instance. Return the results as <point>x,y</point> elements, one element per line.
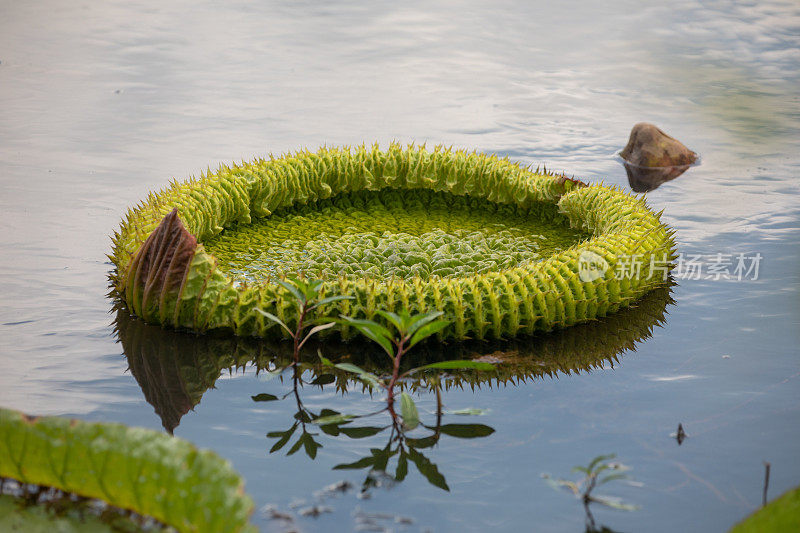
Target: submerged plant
<point>166,275</point>
<point>597,473</point>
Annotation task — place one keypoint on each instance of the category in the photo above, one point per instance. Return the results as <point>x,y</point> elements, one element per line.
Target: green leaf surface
<point>331,299</point>
<point>293,289</point>
<point>402,467</point>
<point>409,411</point>
<point>779,515</point>
<point>362,432</point>
<point>373,331</point>
<point>469,411</point>
<point>277,320</point>
<point>147,471</point>
<point>417,321</point>
<point>283,437</point>
<point>333,419</point>
<point>427,330</point>
<point>428,469</point>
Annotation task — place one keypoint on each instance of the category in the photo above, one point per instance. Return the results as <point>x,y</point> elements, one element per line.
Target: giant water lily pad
<point>500,249</point>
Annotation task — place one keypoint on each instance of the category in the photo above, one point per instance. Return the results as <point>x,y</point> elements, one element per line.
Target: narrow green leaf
<point>315,329</point>
<point>324,379</point>
<point>292,288</point>
<point>264,397</point>
<point>428,469</point>
<point>466,431</point>
<point>297,445</point>
<point>349,367</point>
<point>409,411</point>
<point>276,320</point>
<point>331,299</point>
<point>611,477</point>
<point>330,429</point>
<point>311,446</point>
<point>362,432</point>
<point>599,459</point>
<point>332,419</point>
<point>614,503</point>
<point>402,467</point>
<point>427,330</point>
<point>420,320</point>
<point>395,319</point>
<point>425,442</point>
<point>361,463</point>
<point>470,411</point>
<point>284,438</point>
<point>373,331</point>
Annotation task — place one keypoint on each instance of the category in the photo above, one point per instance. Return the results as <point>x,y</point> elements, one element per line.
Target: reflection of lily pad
<point>16,515</point>
<point>175,369</point>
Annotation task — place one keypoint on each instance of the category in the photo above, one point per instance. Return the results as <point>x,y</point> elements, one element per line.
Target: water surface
<point>100,104</point>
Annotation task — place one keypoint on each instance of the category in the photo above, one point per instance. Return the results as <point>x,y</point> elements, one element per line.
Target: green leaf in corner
<point>409,411</point>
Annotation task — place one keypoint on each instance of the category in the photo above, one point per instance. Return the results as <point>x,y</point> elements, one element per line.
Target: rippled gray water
<point>100,104</point>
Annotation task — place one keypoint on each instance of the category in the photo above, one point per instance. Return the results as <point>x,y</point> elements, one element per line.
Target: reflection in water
<point>400,448</point>
<point>646,179</point>
<point>174,369</point>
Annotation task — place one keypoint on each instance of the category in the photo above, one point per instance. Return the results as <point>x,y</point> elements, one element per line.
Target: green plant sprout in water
<point>599,472</point>
<point>306,294</point>
<point>409,330</point>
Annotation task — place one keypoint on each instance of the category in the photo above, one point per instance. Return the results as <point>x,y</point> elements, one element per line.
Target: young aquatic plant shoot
<point>498,249</point>
<point>307,299</point>
<point>408,331</point>
<point>592,478</point>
